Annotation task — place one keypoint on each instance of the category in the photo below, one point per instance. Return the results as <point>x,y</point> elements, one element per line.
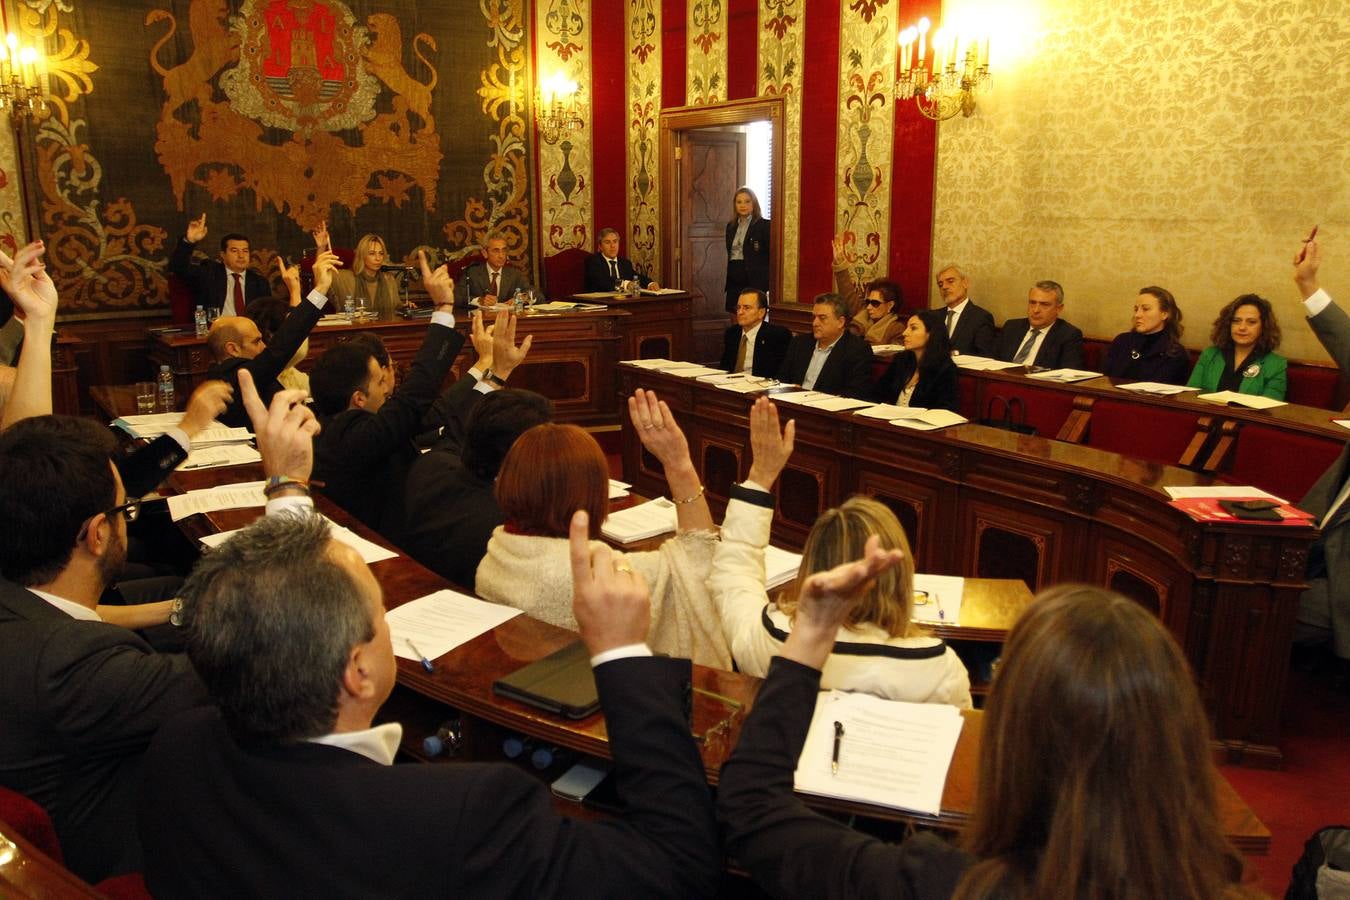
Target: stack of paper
<point>646,520</point>
<point>219,434</point>
<point>801,397</point>
<point>1254,401</point>
<point>831,403</point>
<point>982,363</point>
<point>440,622</point>
<point>913,416</point>
<point>890,348</point>
<point>220,455</point>
<point>1064,376</point>
<point>667,365</point>
<point>780,566</point>
<point>618,489</point>
<point>692,370</point>
<point>226,496</point>
<point>150,425</point>
<point>659,291</point>
<point>564,306</point>
<point>890,753</point>
<point>1155,387</point>
<point>937,598</point>
<point>333,319</point>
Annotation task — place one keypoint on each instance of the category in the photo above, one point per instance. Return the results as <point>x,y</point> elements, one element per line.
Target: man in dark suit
<point>487,282</point>
<point>289,790</point>
<point>1042,339</point>
<point>604,270</point>
<point>831,358</point>
<point>970,328</point>
<point>82,696</point>
<point>227,285</point>
<point>451,506</point>
<point>752,344</point>
<point>236,343</point>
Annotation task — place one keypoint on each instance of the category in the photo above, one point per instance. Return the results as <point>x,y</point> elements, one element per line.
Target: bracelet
<point>279,483</point>
<point>492,377</point>
<point>691,499</point>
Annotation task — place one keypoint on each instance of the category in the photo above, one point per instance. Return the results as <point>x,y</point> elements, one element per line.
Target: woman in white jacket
<point>880,649</point>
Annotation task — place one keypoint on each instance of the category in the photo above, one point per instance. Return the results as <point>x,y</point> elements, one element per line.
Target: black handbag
<point>1014,417</point>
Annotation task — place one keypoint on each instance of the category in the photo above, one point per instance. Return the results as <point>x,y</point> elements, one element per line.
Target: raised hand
<point>770,447</point>
<point>824,601</point>
<point>505,354</point>
<point>285,432</point>
<point>610,601</point>
<point>26,281</point>
<point>482,341</point>
<point>839,255</point>
<point>290,276</point>
<point>321,239</point>
<point>438,284</point>
<point>1306,263</point>
<point>207,401</point>
<point>324,265</point>
<point>196,229</point>
<point>657,428</point>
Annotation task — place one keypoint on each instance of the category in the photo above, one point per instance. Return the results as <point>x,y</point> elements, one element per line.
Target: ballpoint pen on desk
<point>426,663</point>
<point>942,613</point>
<point>838,740</point>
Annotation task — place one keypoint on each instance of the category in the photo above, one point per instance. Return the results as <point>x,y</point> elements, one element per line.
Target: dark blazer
<point>756,253</point>
<point>225,818</point>
<point>206,279</point>
<point>936,390</point>
<point>1061,348</point>
<point>791,851</point>
<point>771,345</point>
<point>80,702</point>
<point>450,514</point>
<point>363,457</point>
<point>1147,357</point>
<point>975,332</point>
<point>474,283</point>
<point>266,365</point>
<point>846,372</point>
<point>598,277</point>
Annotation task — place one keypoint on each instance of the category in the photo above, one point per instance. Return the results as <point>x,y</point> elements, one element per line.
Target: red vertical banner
<point>742,49</point>
<point>914,158</point>
<point>674,37</point>
<point>820,92</point>
<point>609,114</point>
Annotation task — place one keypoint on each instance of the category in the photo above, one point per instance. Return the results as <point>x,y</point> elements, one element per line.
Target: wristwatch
<point>491,376</point>
<point>176,612</point>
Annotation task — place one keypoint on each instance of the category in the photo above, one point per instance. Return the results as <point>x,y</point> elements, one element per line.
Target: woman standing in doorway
<point>747,247</point>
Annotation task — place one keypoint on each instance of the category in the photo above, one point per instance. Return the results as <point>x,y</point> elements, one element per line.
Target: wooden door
<point>711,168</point>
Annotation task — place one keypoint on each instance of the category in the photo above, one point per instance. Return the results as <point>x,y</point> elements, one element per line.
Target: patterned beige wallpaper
<point>12,231</point>
<point>1188,143</point>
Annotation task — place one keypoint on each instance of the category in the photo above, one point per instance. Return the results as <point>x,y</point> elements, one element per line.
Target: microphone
<point>388,268</point>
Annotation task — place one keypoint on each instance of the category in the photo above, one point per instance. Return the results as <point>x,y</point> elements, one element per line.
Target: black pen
<point>838,740</point>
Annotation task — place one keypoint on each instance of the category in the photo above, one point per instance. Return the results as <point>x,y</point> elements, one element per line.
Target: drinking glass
<point>145,397</point>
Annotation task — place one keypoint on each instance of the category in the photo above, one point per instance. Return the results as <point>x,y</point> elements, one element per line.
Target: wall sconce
<point>557,110</point>
<point>946,83</point>
<point>23,80</point>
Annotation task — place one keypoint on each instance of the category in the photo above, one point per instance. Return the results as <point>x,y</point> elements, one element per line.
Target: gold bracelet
<point>690,499</point>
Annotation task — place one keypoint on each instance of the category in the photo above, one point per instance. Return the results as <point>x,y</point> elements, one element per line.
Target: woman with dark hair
<point>1241,356</point>
<point>1152,350</point>
<point>554,470</point>
<point>1095,774</point>
<point>877,320</point>
<point>747,247</point>
<point>922,375</point>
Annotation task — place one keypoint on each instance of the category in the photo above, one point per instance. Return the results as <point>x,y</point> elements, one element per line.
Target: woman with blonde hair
<point>1095,774</point>
<point>881,651</point>
<point>365,281</point>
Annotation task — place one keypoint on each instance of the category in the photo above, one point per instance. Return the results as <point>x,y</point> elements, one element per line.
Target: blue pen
<point>426,663</point>
<point>942,613</point>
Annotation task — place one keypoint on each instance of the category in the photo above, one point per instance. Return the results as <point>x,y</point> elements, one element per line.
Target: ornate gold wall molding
<point>867,31</point>
<point>706,52</point>
<point>642,43</point>
<point>563,45</point>
<point>781,30</point>
<point>1191,147</point>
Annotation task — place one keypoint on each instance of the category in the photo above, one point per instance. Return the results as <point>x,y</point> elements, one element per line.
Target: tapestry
<point>782,32</point>
<point>562,49</point>
<point>706,49</point>
<point>272,116</point>
<point>643,46</point>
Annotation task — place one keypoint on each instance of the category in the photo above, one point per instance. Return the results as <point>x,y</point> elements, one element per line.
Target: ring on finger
<point>624,569</point>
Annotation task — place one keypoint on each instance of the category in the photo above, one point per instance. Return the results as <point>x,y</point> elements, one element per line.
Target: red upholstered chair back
<point>1319,386</point>
<point>458,267</point>
<point>180,300</point>
<point>346,254</point>
<point>1045,409</point>
<point>1155,433</point>
<point>1283,462</point>
<point>565,273</point>
<point>130,886</point>
<point>31,822</point>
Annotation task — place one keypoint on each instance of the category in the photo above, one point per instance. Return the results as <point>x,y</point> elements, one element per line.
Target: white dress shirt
<point>69,607</point>
<point>956,315</point>
<point>750,337</point>
<point>818,358</point>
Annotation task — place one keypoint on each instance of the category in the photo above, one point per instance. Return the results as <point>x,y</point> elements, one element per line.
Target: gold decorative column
<point>706,52</point>
<point>562,46</point>
<point>781,38</point>
<point>643,47</point>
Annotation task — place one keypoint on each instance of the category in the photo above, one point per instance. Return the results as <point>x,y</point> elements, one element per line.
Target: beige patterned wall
<point>12,232</point>
<point>706,51</point>
<point>643,83</point>
<point>563,45</point>
<point>1191,144</point>
<point>781,35</point>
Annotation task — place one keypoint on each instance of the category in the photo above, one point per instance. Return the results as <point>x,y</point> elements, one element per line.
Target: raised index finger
<point>579,548</point>
<point>253,405</point>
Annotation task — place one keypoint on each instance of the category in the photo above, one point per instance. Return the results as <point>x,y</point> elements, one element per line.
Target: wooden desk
<point>660,327</point>
<point>981,502</point>
<point>463,680</point>
<point>25,871</point>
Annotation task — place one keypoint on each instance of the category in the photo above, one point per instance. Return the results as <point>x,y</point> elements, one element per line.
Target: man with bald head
<point>235,343</point>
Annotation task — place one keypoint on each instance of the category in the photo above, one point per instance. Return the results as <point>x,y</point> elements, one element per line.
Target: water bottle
<point>199,317</point>
<point>518,300</point>
<point>166,399</point>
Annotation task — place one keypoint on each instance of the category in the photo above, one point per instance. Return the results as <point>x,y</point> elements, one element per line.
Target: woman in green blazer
<point>1242,355</point>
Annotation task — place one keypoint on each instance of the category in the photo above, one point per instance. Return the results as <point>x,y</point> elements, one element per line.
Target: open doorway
<point>707,153</point>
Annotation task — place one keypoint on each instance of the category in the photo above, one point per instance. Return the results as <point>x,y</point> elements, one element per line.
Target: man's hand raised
<point>610,600</point>
<point>290,276</point>
<point>26,281</point>
<point>285,432</point>
<point>196,229</point>
<point>1306,263</point>
<point>505,354</point>
<point>207,401</point>
<point>438,284</point>
<point>770,447</point>
<point>324,265</point>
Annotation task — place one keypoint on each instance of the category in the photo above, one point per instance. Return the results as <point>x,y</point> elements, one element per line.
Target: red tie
<point>492,284</point>
<point>238,294</point>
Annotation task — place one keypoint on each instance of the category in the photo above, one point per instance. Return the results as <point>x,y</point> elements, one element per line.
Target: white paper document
<point>937,598</point>
<point>659,291</point>
<point>226,496</point>
<point>800,397</point>
<point>888,348</point>
<point>209,437</point>
<point>1344,423</point>
<point>982,363</point>
<point>666,365</point>
<point>646,520</point>
<point>1221,492</point>
<point>370,551</point>
<point>1064,376</point>
<point>692,371</point>
<point>1252,401</point>
<point>440,622</point>
<point>598,295</point>
<point>836,404</point>
<point>1155,387</point>
<point>220,455</point>
<point>152,425</point>
<point>618,489</point>
<point>929,419</point>
<point>780,566</point>
<point>890,753</point>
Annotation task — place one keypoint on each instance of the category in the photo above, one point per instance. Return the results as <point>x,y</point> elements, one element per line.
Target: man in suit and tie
<point>604,270</point>
<point>831,358</point>
<point>752,344</point>
<point>491,280</point>
<point>227,285</point>
<point>970,328</point>
<point>1042,339</point>
<point>288,787</point>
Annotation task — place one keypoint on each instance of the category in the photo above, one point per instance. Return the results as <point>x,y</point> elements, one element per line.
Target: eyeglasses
<point>131,510</point>
<point>875,302</point>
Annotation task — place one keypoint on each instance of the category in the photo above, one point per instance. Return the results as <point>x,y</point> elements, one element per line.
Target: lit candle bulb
<point>924,25</point>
